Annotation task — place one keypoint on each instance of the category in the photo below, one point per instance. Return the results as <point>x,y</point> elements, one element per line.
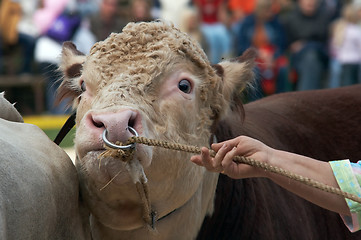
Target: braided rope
<point>251,162</point>
<point>143,191</point>
<point>141,185</point>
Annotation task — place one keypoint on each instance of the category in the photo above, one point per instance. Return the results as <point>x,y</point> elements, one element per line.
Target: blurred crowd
<point>300,44</point>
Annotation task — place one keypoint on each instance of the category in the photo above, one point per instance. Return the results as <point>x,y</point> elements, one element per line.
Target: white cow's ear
<point>71,66</point>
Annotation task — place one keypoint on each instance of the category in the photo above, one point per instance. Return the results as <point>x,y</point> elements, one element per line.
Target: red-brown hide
<point>323,124</point>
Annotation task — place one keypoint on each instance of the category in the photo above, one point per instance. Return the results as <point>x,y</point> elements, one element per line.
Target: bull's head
<point>155,79</point>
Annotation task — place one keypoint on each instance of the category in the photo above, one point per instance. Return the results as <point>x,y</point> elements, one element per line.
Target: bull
<point>156,80</point>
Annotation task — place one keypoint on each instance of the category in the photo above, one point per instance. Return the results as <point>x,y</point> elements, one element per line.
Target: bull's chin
<point>103,171</point>
<point>110,192</point>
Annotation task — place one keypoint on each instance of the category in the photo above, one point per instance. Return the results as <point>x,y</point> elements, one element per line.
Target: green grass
<point>51,125</point>
<point>67,141</point>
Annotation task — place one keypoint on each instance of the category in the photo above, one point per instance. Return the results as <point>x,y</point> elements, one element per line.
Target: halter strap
<point>68,125</point>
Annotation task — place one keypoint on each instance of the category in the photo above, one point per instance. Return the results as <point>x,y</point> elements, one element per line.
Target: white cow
<point>39,187</point>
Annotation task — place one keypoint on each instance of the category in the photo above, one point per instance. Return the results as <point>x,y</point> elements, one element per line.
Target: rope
<point>148,213</point>
<point>141,184</point>
<point>251,162</point>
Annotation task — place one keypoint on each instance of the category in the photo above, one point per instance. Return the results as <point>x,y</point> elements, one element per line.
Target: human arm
<point>348,176</point>
<point>305,166</point>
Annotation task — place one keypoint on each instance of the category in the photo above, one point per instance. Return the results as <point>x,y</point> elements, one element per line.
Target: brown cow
<point>322,124</point>
<point>155,79</point>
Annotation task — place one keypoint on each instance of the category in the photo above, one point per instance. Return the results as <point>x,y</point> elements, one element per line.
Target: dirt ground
<point>71,152</point>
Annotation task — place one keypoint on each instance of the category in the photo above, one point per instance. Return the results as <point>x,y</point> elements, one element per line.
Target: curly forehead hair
<point>146,48</point>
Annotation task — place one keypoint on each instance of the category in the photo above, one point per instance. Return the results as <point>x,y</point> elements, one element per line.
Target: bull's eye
<point>185,86</point>
<point>82,86</point>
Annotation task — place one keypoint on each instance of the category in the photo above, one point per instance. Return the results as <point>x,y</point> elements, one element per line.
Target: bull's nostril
<point>131,122</point>
<point>98,124</point>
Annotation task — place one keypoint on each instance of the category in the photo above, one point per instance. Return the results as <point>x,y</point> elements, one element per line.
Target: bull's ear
<point>71,66</point>
<point>237,73</point>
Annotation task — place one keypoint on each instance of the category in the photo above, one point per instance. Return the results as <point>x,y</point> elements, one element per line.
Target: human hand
<point>225,153</point>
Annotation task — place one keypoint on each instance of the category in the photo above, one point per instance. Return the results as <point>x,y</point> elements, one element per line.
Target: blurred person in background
<point>333,7</point>
<point>140,11</point>
<point>28,34</point>
<point>18,37</point>
<point>109,19</point>
<point>17,18</point>
<point>263,31</point>
<point>59,21</point>
<point>306,28</point>
<point>48,49</point>
<point>171,10</point>
<point>285,6</point>
<point>214,20</point>
<point>83,37</point>
<point>345,48</point>
<point>238,10</point>
<point>190,23</point>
